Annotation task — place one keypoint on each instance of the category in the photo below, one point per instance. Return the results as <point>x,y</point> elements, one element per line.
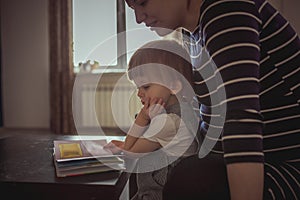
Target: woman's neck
<point>193,14</point>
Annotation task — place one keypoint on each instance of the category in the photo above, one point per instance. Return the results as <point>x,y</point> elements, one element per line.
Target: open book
<point>78,157</point>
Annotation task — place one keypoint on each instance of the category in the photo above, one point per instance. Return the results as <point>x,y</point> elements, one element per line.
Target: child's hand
<point>115,146</point>
<point>152,108</point>
<point>157,106</point>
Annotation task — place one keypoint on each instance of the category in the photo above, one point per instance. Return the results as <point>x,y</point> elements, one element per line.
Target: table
<point>27,172</point>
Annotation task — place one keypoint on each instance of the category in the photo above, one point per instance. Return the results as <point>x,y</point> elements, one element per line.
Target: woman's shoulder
<point>214,8</point>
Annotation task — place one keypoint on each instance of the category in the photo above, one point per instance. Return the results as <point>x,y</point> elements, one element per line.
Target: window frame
<point>121,42</point>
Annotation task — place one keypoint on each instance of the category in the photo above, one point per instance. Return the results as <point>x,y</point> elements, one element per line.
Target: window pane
<point>137,34</point>
<point>94,31</point>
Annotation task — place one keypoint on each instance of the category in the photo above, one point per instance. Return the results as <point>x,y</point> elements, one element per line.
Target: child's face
<point>152,90</point>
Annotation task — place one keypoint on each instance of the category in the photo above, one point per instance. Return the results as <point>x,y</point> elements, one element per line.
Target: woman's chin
<point>161,31</point>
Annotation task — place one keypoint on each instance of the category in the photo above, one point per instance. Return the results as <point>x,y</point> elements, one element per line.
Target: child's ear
<point>176,86</point>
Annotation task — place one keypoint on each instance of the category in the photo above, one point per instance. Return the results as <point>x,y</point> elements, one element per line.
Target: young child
<point>164,131</point>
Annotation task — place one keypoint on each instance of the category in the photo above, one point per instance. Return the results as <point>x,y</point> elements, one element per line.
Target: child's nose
<point>140,93</point>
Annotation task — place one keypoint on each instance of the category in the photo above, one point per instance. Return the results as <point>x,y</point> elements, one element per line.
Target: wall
<point>289,9</point>
<point>25,63</point>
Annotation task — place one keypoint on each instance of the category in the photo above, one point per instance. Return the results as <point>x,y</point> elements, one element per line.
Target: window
<point>105,31</point>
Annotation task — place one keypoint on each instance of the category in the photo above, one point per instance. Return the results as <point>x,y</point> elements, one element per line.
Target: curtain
<point>61,67</point>
<point>1,119</point>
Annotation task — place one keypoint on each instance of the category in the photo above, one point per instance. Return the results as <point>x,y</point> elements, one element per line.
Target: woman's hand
<point>246,180</point>
<point>115,146</point>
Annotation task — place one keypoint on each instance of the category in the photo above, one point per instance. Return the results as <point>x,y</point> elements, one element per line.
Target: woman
<point>246,49</point>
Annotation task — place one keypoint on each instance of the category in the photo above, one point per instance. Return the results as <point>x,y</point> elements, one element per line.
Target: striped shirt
<point>246,60</point>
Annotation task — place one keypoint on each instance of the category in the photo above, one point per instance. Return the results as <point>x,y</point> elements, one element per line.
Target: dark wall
<point>1,119</point>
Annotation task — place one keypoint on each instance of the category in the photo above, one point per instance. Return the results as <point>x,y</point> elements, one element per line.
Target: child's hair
<point>162,61</point>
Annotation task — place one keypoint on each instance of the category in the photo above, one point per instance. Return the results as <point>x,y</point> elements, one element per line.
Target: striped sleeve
<point>230,31</point>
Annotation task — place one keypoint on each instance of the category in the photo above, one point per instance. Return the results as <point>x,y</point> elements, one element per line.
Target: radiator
<point>118,111</point>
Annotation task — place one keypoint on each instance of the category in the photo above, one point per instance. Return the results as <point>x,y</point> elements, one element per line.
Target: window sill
<point>100,71</point>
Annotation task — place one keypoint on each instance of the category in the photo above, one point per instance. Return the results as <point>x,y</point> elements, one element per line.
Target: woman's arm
<point>242,176</point>
<point>231,31</point>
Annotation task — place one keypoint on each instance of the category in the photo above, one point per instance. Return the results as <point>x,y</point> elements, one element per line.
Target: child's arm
<point>136,130</point>
<point>115,146</point>
<point>133,142</point>
<point>140,145</point>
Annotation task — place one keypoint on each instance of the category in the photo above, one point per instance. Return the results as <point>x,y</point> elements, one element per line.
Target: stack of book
<point>78,157</point>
